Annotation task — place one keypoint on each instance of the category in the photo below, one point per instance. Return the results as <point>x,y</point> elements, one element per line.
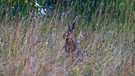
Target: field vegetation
<point>31,42</point>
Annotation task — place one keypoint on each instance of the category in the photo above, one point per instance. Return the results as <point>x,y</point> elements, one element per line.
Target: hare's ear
<point>69,28</point>
<point>73,25</point>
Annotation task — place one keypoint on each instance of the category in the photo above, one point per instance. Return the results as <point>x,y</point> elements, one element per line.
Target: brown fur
<point>70,44</point>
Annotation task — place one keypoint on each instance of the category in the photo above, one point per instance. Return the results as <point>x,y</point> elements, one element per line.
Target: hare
<point>70,43</point>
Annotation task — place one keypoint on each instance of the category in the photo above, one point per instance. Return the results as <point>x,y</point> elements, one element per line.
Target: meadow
<point>32,45</point>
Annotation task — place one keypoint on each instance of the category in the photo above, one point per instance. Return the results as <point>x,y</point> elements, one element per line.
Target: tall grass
<point>33,45</point>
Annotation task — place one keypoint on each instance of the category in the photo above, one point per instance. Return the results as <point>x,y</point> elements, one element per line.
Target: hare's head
<point>69,33</point>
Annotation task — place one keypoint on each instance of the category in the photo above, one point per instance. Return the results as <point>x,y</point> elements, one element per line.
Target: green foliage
<point>86,8</point>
